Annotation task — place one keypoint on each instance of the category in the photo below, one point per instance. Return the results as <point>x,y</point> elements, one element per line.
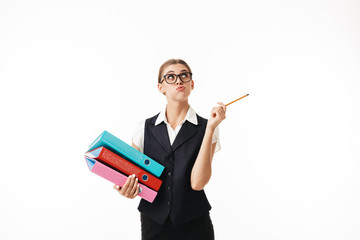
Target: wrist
<point>210,128</point>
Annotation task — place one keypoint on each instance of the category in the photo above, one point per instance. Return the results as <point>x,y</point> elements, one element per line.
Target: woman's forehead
<point>174,68</point>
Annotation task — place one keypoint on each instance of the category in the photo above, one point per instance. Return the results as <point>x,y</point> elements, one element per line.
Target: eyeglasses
<point>171,78</point>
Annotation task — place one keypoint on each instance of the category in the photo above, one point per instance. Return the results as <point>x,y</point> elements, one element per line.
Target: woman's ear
<point>161,89</point>
<point>192,84</point>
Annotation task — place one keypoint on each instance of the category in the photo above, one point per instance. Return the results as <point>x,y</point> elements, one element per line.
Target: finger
<point>219,113</point>
<point>222,108</point>
<point>222,112</point>
<point>133,190</point>
<point>117,187</point>
<point>222,115</point>
<point>125,186</point>
<point>131,183</point>
<point>222,105</point>
<point>215,109</point>
<point>137,190</point>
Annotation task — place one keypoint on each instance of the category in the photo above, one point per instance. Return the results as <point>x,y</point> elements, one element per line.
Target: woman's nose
<point>178,81</point>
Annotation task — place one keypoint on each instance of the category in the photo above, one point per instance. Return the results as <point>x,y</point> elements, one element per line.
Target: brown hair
<point>171,62</point>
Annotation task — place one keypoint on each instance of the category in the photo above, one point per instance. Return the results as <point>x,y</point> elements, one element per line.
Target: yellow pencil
<point>236,100</point>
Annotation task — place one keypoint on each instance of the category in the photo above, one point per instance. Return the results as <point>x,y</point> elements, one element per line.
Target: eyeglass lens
<point>171,78</point>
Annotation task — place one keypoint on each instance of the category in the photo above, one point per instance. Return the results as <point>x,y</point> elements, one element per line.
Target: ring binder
<point>108,157</point>
<point>121,148</point>
<point>118,178</point>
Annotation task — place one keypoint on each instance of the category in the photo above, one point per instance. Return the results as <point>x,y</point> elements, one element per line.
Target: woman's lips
<point>180,88</point>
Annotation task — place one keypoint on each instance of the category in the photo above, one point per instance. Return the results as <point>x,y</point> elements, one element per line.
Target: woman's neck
<point>176,112</point>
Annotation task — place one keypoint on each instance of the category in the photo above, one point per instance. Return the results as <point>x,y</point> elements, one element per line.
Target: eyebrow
<point>180,71</point>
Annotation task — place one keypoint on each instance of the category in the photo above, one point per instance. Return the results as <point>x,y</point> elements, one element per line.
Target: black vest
<point>175,196</point>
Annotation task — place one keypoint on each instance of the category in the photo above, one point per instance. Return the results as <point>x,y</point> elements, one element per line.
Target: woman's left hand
<point>217,116</point>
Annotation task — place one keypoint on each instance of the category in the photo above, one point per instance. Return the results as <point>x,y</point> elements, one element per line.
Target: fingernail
<point>133,175</point>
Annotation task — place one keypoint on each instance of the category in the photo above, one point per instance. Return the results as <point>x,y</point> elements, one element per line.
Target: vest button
<point>169,173</point>
<point>171,159</point>
<point>169,203</point>
<point>169,188</point>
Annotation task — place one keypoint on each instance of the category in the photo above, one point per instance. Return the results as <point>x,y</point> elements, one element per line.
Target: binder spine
<point>113,143</point>
<point>134,155</point>
<point>118,162</point>
<point>128,168</point>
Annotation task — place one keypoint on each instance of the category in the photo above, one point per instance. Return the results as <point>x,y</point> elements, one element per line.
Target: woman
<point>184,143</point>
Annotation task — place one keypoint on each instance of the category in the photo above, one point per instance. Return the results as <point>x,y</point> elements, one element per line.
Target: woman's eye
<point>170,77</point>
<point>184,75</point>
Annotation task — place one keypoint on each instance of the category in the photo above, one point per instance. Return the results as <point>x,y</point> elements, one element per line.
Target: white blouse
<point>138,137</point>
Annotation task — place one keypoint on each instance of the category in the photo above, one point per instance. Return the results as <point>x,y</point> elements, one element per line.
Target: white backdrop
<point>289,163</point>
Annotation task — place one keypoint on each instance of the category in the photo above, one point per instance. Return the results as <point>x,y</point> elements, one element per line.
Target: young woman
<point>184,143</point>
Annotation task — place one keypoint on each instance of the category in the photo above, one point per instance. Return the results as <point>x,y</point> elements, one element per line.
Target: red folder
<point>106,156</point>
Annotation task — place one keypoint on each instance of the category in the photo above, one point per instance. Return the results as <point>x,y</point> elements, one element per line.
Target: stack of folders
<point>115,160</point>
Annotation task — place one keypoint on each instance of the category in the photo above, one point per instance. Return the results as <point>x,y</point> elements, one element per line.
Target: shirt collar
<point>190,116</point>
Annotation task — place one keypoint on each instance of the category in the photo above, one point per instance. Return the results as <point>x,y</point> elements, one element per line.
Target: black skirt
<point>199,229</point>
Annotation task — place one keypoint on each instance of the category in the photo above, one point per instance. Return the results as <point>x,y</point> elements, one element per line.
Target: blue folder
<point>121,148</point>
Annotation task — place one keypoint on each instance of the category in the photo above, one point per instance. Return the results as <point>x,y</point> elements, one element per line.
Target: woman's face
<point>178,91</point>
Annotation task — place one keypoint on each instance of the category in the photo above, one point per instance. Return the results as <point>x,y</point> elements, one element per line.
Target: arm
<point>201,172</point>
<point>134,146</point>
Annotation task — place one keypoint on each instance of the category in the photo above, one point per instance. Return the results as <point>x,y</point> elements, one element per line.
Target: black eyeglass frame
<point>177,76</point>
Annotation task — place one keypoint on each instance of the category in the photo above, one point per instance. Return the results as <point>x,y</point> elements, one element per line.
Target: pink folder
<point>111,159</point>
<point>118,178</point>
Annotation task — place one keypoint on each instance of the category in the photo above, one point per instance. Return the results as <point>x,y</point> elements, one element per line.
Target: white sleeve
<point>216,138</point>
<point>138,136</point>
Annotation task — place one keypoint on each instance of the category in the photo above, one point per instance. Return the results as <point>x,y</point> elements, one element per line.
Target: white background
<point>289,163</point>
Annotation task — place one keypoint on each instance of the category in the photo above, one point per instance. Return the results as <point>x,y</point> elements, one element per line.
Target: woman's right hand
<point>130,188</point>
